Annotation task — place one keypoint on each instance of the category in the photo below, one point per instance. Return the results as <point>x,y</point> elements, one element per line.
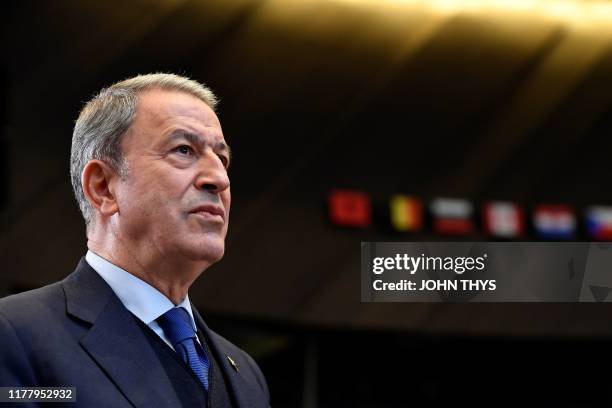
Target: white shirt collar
<point>140,298</point>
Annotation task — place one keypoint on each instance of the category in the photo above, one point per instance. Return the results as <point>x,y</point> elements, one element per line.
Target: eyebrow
<point>197,140</point>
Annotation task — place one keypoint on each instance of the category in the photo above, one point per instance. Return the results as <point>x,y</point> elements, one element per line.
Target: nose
<point>212,175</point>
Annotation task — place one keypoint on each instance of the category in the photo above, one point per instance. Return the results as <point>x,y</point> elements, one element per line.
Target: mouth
<point>209,212</point>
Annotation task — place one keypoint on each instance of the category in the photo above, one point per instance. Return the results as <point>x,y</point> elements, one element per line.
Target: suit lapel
<point>116,342</point>
<point>240,388</point>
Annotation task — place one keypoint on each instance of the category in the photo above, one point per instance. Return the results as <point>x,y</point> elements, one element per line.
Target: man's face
<point>175,200</point>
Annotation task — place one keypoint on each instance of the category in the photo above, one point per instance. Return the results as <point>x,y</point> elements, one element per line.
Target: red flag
<point>350,208</point>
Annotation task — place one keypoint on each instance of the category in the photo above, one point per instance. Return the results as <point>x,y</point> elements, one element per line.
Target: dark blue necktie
<point>176,324</point>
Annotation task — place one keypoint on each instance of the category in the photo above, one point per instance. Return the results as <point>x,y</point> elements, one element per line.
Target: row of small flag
<point>456,217</point>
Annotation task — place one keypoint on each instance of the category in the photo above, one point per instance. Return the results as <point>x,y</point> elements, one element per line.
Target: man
<point>149,170</point>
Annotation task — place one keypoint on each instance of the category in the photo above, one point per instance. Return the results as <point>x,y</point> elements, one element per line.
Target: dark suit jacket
<point>77,333</point>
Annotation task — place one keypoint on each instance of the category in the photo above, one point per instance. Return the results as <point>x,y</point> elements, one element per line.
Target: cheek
<point>150,199</point>
<point>160,187</point>
<point>226,198</point>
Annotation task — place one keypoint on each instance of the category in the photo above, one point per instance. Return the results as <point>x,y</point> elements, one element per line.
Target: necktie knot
<point>176,324</point>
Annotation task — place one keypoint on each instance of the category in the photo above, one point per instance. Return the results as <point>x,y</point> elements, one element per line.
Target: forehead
<point>164,111</point>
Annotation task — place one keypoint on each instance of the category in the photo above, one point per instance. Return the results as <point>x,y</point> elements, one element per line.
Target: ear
<point>98,180</point>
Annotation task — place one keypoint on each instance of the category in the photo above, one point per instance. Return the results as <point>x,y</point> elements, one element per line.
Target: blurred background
<point>482,100</point>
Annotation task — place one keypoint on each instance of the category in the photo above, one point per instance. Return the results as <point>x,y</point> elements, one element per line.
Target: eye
<point>224,160</point>
<point>184,150</point>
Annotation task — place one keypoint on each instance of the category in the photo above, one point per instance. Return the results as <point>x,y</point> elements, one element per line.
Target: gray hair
<point>108,116</point>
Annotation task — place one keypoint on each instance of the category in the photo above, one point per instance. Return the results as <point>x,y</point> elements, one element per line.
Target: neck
<point>171,276</point>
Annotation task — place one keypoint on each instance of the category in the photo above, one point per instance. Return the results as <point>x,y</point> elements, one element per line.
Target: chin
<point>208,250</point>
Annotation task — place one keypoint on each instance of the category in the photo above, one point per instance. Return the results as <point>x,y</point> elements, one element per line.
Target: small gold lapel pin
<point>233,363</point>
